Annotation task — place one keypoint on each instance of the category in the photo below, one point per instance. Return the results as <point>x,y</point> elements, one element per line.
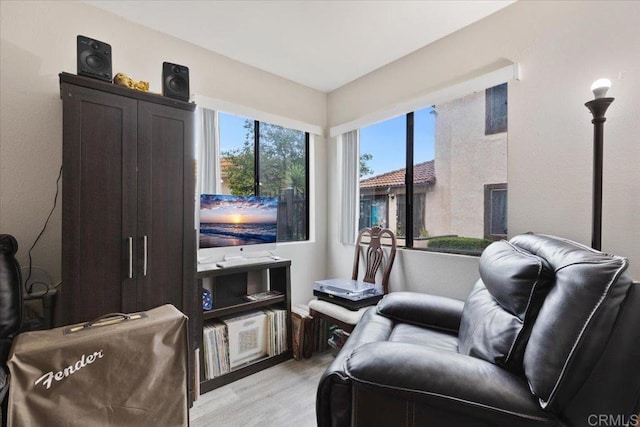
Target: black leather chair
<point>10,308</point>
<point>549,336</point>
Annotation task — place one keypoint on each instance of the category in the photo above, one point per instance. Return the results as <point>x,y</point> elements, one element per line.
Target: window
<point>495,211</point>
<point>496,109</point>
<point>382,160</point>
<point>259,158</point>
<point>425,175</point>
<point>373,211</point>
<point>419,228</point>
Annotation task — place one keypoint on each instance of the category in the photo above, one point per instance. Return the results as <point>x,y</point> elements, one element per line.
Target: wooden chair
<point>373,258</point>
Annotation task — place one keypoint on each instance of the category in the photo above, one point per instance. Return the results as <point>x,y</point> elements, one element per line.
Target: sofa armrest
<point>333,403</point>
<point>422,309</point>
<point>445,381</point>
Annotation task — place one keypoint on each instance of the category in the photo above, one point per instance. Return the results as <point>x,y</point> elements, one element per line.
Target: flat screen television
<point>227,220</point>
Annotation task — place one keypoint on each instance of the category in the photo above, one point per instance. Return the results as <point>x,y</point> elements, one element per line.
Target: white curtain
<point>208,165</point>
<point>350,187</point>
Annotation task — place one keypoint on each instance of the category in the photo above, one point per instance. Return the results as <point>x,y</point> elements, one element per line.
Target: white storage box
<point>247,337</point>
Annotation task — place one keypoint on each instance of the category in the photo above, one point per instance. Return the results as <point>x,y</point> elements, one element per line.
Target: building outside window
<point>373,211</point>
<point>495,211</point>
<point>452,155</point>
<point>496,109</point>
<point>262,159</point>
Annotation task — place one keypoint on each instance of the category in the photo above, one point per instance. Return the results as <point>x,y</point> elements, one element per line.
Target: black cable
<point>55,201</point>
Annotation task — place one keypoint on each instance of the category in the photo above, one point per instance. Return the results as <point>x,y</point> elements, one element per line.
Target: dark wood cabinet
<point>128,235</point>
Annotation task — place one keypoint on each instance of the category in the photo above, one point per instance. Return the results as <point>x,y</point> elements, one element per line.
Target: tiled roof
<point>423,173</point>
<point>225,163</point>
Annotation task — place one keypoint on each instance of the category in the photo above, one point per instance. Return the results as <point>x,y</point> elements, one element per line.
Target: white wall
<point>39,41</point>
<point>562,47</point>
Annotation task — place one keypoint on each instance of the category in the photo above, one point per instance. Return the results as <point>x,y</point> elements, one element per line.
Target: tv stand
<point>229,287</point>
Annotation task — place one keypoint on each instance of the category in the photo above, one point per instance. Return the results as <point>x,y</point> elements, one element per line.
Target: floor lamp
<point>598,107</point>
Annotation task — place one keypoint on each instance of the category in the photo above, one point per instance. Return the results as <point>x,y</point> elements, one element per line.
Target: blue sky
<point>232,131</point>
<point>384,140</point>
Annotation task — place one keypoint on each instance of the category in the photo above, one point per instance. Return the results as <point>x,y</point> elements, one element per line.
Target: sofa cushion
<point>576,319</point>
<point>499,313</point>
<point>421,386</point>
<point>424,337</point>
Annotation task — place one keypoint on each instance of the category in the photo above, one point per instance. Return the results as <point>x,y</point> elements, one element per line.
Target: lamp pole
<point>598,108</point>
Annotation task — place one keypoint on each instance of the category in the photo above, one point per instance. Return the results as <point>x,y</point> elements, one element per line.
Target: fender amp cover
<point>123,369</point>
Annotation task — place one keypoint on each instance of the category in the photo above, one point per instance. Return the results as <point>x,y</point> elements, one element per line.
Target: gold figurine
<point>122,79</point>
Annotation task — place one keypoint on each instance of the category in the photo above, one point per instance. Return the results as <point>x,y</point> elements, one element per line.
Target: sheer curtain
<point>208,165</point>
<point>350,190</point>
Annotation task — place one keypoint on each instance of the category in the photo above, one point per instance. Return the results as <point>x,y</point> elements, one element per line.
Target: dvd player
<point>352,294</point>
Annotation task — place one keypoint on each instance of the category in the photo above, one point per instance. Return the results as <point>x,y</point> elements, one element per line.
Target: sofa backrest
<point>613,387</point>
<point>576,319</point>
<point>500,312</point>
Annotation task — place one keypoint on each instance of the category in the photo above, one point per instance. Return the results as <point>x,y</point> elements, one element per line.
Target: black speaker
<point>94,59</point>
<point>175,81</point>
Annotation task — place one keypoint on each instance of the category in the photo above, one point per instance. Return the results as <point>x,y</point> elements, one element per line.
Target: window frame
<point>494,123</point>
<point>488,209</point>
<point>409,178</point>
<point>256,171</point>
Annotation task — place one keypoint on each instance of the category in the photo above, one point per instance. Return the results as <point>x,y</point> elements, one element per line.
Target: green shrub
<point>459,244</point>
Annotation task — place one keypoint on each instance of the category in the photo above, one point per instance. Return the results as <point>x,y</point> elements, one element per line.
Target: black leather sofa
<point>10,308</point>
<point>549,336</point>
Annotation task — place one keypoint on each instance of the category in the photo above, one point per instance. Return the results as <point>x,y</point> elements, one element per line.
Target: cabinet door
<point>166,200</point>
<point>99,185</point>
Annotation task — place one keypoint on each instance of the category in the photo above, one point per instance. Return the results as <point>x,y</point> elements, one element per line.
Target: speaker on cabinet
<point>94,59</point>
<point>175,81</point>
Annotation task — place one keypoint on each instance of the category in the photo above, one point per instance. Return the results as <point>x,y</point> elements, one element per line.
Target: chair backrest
<point>576,323</point>
<point>374,255</point>
<point>500,312</point>
<point>566,317</point>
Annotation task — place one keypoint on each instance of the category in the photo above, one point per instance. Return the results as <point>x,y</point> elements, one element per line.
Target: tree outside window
<point>280,155</point>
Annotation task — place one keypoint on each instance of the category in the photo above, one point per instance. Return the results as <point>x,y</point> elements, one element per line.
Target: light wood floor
<point>283,395</point>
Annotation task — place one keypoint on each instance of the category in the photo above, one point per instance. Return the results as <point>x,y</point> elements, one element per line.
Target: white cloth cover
<point>337,312</point>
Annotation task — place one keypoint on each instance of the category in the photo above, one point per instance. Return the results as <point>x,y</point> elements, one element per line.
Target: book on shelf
<point>215,349</point>
<point>302,325</point>
<point>321,333</point>
<point>262,295</point>
<point>277,331</point>
<point>234,341</point>
<point>338,338</point>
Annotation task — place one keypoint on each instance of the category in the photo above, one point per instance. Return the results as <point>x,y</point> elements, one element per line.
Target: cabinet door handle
<point>130,239</point>
<point>145,255</point>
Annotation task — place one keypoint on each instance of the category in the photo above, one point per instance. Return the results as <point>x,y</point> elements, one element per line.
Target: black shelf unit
<point>228,288</point>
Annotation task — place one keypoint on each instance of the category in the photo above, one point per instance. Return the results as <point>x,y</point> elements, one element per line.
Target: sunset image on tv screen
<point>227,220</point>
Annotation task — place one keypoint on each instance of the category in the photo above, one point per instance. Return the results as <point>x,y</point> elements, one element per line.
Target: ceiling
<point>320,44</point>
